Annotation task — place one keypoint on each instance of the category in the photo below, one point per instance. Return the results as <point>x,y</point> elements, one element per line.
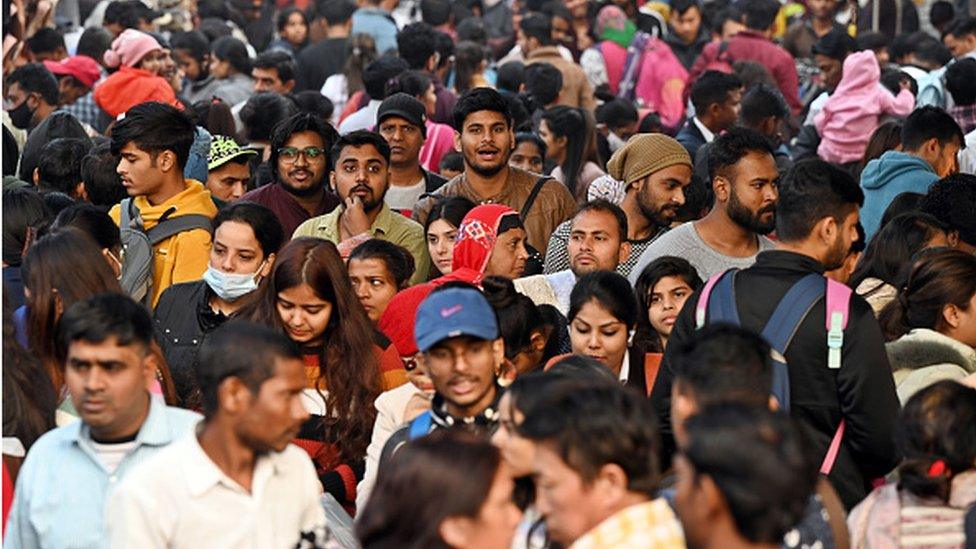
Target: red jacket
<point>128,87</point>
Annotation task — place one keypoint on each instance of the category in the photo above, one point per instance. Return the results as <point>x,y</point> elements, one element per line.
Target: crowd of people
<point>489,274</point>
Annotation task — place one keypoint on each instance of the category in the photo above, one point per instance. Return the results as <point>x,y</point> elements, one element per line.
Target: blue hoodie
<point>887,177</point>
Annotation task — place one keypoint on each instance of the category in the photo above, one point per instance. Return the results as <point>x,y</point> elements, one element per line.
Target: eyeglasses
<point>290,154</point>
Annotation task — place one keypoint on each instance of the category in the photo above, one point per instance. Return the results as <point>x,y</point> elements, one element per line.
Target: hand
<point>417,405</point>
<point>353,220</point>
<point>905,84</point>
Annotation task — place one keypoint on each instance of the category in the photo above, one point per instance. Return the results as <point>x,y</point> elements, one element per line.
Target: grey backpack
<point>138,243</point>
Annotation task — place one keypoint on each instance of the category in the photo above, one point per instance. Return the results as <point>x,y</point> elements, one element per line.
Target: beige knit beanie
<point>645,154</point>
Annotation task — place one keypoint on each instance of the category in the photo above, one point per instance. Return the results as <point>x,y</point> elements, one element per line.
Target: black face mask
<point>21,115</point>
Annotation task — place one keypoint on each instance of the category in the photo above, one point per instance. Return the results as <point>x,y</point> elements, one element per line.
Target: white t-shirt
<point>405,198</point>
<point>111,455</point>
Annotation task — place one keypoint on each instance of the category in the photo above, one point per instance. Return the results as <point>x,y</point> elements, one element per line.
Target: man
<point>299,164</point>
<point>744,479</point>
<point>361,177</point>
<point>961,84</point>
<point>597,242</point>
<point>417,46</point>
<point>373,19</point>
<point>952,200</point>
<point>716,97</point>
<point>59,167</point>
<point>816,23</point>
<point>619,120</point>
<point>228,170</point>
<point>829,54</point>
<point>32,95</point>
<point>153,144</point>
<point>46,44</point>
<point>274,71</point>
<point>686,34</point>
<point>106,341</point>
<point>654,171</point>
<point>76,78</point>
<point>596,468</point>
<point>237,481</point>
<point>755,44</point>
<point>961,38</point>
<point>401,120</point>
<point>318,61</point>
<point>535,38</point>
<point>816,224</point>
<point>375,77</point>
<point>456,331</point>
<point>484,136</point>
<point>744,177</point>
<point>930,139</point>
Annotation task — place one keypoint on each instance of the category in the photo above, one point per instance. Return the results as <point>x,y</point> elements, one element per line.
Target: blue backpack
<point>420,426</point>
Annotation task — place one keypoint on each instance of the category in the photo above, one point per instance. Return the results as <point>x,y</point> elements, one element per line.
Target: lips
<point>92,406</point>
<point>668,320</point>
<point>300,176</point>
<point>463,386</point>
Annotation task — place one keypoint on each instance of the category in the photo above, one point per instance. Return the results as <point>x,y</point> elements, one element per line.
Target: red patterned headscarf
<point>475,240</point>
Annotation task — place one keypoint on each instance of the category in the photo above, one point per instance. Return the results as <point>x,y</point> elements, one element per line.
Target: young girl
<point>852,112</point>
<point>347,86</point>
<point>292,26</point>
<point>230,66</point>
<point>529,153</point>
<point>469,67</point>
<point>441,230</point>
<point>138,58</point>
<point>570,139</point>
<point>378,270</point>
<point>662,289</point>
<point>520,324</point>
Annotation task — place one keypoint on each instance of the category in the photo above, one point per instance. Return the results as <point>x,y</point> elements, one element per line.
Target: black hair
<point>247,351</point>
<point>589,427</point>
<point>966,26</point>
<point>510,76</point>
<point>543,82</point>
<point>582,367</point>
<point>195,43</point>
<point>810,191</point>
<point>451,209</point>
<point>468,57</point>
<point>760,463</point>
<point>267,229</point>
<point>517,315</point>
<point>94,42</point>
<point>280,61</point>
<point>399,262</point>
<point>59,165</point>
<point>479,99</point>
<point>414,83</point>
<point>298,123</point>
<point>892,78</point>
<point>358,139</point>
<point>610,290</point>
<point>520,137</point>
<point>264,113</point>
<point>952,200</point>
<point>577,127</point>
<point>538,26</point>
<point>617,113</point>
<point>761,102</point>
<point>92,221</point>
<point>285,14</point>
<point>215,116</point>
<point>724,15</point>
<point>104,316</point>
<point>444,45</point>
<point>23,211</point>
<point>759,14</point>
<point>554,9</point>
<point>906,202</point>
<point>335,12</point>
<point>933,52</point>
<point>155,127</point>
<point>453,161</point>
<point>472,29</point>
<point>313,102</point>
<point>892,249</point>
<point>509,222</point>
<point>435,12</point>
<point>722,363</point>
<point>35,78</point>
<point>651,123</point>
<point>961,81</point>
<point>930,122</point>
<point>939,277</point>
<point>232,50</point>
<point>56,201</point>
<point>731,147</point>
<point>102,183</point>
<point>601,205</point>
<point>713,87</point>
<point>214,28</point>
<point>682,6</point>
<point>11,153</point>
<point>377,74</point>
<point>646,339</point>
<point>415,42</point>
<point>46,40</point>
<point>871,41</point>
<point>941,14</point>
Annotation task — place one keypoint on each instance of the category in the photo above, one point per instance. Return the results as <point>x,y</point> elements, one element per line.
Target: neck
<point>43,111</point>
<point>227,308</point>
<point>172,187</point>
<point>709,123</point>
<point>726,236</point>
<point>311,202</point>
<point>405,175</point>
<point>339,31</point>
<point>126,432</point>
<point>821,26</point>
<point>227,451</point>
<point>487,187</point>
<point>638,226</point>
<point>726,536</point>
<point>802,248</point>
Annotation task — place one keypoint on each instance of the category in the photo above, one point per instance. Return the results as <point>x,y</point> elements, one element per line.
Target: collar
<point>782,259</point>
<point>201,473</point>
<point>155,430</point>
<point>749,33</point>
<point>488,418</point>
<point>544,51</point>
<point>209,319</point>
<point>706,133</point>
<point>381,225</point>
<point>624,376</point>
<point>498,198</point>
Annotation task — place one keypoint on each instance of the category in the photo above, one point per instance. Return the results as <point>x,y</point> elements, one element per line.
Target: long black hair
<point>646,339</point>
<point>890,252</point>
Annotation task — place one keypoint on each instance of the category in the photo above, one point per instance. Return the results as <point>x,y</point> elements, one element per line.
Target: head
<point>135,49</point>
<point>886,137</point>
<point>656,170</point>
<point>457,332</point>
<point>764,110</point>
<point>543,84</point>
<point>228,168</point>
<point>535,31</point>
<point>932,135</point>
<point>744,472</point>
<point>441,230</point>
<point>46,44</point>
<point>102,183</point>
<point>685,20</point>
<point>941,15</point>
<point>93,43</point>
<point>416,42</point>
<point>401,120</point>
<point>961,37</point>
<point>24,213</point>
<point>98,226</point>
<point>300,154</point>
<point>435,12</point>
<point>529,153</point>
<point>228,56</point>
<point>483,131</point>
<point>662,289</point>
<point>274,71</point>
<point>620,118</point>
<point>510,76</point>
<point>596,453</point>
<point>744,179</point>
<point>246,240</point>
<point>451,165</point>
<point>76,76</point>
<point>961,81</point>
<point>362,168</point>
<point>192,52</point>
<point>336,14</point>
<point>818,211</point>
<point>378,270</point>
<point>491,241</point>
<point>893,248</point>
<point>378,73</point>
<point>263,113</point>
<point>727,23</point>
<point>31,95</point>
<point>951,200</point>
<point>570,139</point>
<point>59,166</point>
<point>314,103</point>
<point>251,380</point>
<point>759,15</point>
<point>104,342</point>
<point>469,61</point>
<point>292,24</point>
<point>597,238</point>
<point>153,144</point>
<point>520,324</point>
<point>466,489</point>
<point>716,97</point>
<point>416,84</point>
<point>602,314</point>
<point>829,53</point>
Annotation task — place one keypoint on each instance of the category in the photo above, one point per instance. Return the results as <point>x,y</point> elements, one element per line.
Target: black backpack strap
<point>176,225</point>
<point>532,195</point>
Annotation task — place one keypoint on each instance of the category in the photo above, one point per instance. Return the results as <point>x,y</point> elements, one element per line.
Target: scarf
<point>475,240</point>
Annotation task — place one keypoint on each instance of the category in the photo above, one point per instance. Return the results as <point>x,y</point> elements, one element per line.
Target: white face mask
<point>230,287</point>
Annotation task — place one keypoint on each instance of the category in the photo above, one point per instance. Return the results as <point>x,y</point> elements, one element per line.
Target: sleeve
<point>900,105</point>
<point>132,521</point>
<point>820,119</point>
<point>384,427</point>
<point>421,210</point>
<point>707,55</point>
<point>20,533</point>
<point>193,256</point>
<point>305,229</point>
<point>594,67</point>
<point>313,515</point>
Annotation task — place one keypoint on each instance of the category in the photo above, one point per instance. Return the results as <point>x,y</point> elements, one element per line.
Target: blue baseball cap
<point>454,312</point>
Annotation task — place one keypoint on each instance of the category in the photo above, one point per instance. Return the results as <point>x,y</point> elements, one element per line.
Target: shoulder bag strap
<point>532,195</point>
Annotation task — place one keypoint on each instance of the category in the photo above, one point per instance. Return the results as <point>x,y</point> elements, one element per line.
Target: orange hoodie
<point>185,256</point>
<point>128,87</point>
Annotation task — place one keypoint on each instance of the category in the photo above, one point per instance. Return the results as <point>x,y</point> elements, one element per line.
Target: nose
<point>667,303</point>
<point>362,175</point>
<point>238,190</point>
<point>586,244</point>
<point>95,380</point>
<point>227,264</point>
<point>292,318</point>
<point>679,197</point>
<point>522,253</point>
<point>362,290</point>
<point>593,342</point>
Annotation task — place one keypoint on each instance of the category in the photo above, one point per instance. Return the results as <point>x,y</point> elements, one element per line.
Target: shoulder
<point>259,193</point>
<point>52,443</point>
<point>310,226</point>
<point>181,421</point>
<point>408,225</point>
<point>181,293</point>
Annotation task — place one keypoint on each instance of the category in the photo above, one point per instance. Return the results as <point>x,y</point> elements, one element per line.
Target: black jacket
<point>862,391</point>
<point>318,61</point>
<point>690,137</point>
<point>687,53</point>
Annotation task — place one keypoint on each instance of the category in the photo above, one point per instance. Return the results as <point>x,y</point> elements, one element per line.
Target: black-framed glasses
<point>290,154</point>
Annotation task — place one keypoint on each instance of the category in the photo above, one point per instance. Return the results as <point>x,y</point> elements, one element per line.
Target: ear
<point>538,340</point>
<point>233,396</point>
<point>827,229</point>
<point>456,531</point>
<point>773,403</point>
<point>722,188</point>
<point>166,161</point>
<point>561,140</point>
<point>332,182</point>
<point>498,351</point>
<point>268,265</point>
<point>432,61</point>
<point>36,176</point>
<point>289,85</point>
<point>714,109</point>
<point>150,365</point>
<point>950,313</point>
<point>611,480</point>
<point>81,192</point>
<point>457,141</point>
<point>625,249</point>
<point>952,238</point>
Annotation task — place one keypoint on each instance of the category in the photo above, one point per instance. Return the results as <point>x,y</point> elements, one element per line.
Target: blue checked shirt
<point>62,487</point>
<point>85,110</point>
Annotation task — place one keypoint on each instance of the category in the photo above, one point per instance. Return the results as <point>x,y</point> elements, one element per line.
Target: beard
<point>836,255</point>
<point>371,203</point>
<point>660,216</point>
<point>302,192</point>
<point>744,217</point>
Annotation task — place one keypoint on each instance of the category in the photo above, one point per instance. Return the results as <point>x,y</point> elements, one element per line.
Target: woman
<point>936,481</point>
<point>440,137</point>
<point>348,85</point>
<point>23,212</point>
<point>602,314</point>
<point>246,238</point>
<point>529,153</point>
<point>441,230</point>
<point>309,298</point>
<point>490,241</point>
<point>886,137</point>
<point>292,24</point>
<point>139,60</point>
<point>888,256</point>
<point>934,321</point>
<point>662,289</point>
<point>469,67</point>
<point>570,140</point>
<point>378,270</point>
<point>521,325</point>
<point>448,489</point>
<point>230,66</point>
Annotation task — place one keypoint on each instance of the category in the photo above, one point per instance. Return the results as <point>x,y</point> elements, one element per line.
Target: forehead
<point>678,172</point>
<point>361,153</point>
<point>593,312</point>
<point>594,220</point>
<point>14,89</point>
<point>103,351</point>
<point>372,266</point>
<point>756,165</point>
<point>457,343</point>
<point>259,72</point>
<point>485,118</point>
<point>304,139</point>
<point>132,148</point>
<point>528,148</point>
<point>395,121</point>
<point>232,169</point>
<point>237,234</point>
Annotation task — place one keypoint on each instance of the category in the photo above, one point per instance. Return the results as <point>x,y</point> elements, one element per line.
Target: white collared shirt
<point>181,499</point>
<point>706,133</point>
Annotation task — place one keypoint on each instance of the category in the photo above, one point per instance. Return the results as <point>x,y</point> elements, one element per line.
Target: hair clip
<point>938,469</point>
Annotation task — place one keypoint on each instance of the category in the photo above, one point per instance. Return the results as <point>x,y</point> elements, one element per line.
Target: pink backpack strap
<point>838,313</point>
<point>702,307</point>
<point>833,450</point>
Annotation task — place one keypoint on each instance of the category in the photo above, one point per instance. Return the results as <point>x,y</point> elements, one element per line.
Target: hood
<point>922,347</point>
<point>128,87</point>
<point>861,74</point>
<point>891,165</point>
<point>194,199</point>
<point>475,240</point>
